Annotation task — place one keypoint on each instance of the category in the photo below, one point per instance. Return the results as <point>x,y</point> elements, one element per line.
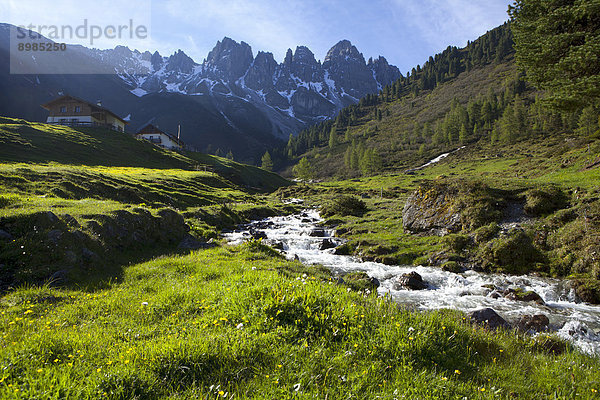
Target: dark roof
<point>92,105</point>
<point>159,131</point>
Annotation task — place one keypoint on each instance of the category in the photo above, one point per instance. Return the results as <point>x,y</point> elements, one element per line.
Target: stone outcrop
<point>522,295</point>
<point>54,245</point>
<point>533,323</point>
<point>444,207</point>
<point>489,319</point>
<point>411,281</point>
<point>432,210</point>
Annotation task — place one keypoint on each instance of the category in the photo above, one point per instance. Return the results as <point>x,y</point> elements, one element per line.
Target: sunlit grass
<point>225,323</point>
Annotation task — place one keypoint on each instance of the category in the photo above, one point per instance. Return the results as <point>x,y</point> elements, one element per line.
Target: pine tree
<point>463,134</point>
<point>303,170</point>
<point>558,44</point>
<point>333,137</point>
<point>347,135</point>
<point>348,158</point>
<point>267,162</point>
<point>588,122</point>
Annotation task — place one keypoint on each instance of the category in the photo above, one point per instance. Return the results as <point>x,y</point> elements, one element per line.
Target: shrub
<point>513,253</point>
<point>544,201</point>
<point>486,233</point>
<point>456,242</point>
<point>344,205</point>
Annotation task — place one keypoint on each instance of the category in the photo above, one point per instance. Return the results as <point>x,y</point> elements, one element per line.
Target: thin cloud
<point>451,22</point>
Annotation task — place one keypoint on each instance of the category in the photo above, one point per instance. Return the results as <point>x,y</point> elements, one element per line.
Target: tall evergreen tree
<point>558,44</point>
<point>267,162</point>
<point>304,170</point>
<point>588,121</point>
<point>333,137</point>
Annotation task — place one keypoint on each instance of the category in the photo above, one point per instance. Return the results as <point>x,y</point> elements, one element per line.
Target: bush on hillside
<point>544,201</point>
<point>344,205</point>
<point>513,253</point>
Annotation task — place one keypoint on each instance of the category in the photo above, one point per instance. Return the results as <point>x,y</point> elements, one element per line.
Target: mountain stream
<point>302,237</point>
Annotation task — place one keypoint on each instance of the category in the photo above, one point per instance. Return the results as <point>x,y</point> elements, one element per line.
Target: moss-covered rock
<point>588,290</point>
<point>456,242</point>
<point>448,207</point>
<point>452,266</point>
<point>486,233</point>
<point>519,294</point>
<point>360,281</point>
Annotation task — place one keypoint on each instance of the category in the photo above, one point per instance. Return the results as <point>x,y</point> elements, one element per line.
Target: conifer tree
<point>303,170</point>
<point>558,44</point>
<point>333,137</point>
<point>267,162</point>
<point>588,121</point>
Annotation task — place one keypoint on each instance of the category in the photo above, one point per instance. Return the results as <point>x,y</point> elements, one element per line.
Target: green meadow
<point>147,319</point>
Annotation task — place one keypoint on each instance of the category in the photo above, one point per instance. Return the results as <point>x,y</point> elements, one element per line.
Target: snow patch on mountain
<point>139,92</point>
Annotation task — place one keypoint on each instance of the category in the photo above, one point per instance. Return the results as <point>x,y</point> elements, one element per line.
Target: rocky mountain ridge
<point>300,89</point>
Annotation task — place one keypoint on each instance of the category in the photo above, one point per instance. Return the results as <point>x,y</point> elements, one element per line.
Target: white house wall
<point>165,141</point>
<point>69,118</point>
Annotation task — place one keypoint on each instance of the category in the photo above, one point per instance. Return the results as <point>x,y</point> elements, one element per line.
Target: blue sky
<point>406,32</point>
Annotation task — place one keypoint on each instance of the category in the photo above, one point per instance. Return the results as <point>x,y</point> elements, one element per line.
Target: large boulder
<point>488,318</point>
<point>189,242</point>
<point>326,244</point>
<point>317,232</point>
<point>432,210</point>
<point>533,323</point>
<point>256,235</point>
<point>412,281</point>
<point>523,295</point>
<point>447,207</point>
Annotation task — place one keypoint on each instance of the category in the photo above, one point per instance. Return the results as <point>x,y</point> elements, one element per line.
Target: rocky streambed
<point>530,303</point>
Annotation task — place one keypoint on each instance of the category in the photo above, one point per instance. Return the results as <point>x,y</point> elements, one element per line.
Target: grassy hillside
<point>397,136</point>
<point>78,205</point>
<point>23,141</point>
